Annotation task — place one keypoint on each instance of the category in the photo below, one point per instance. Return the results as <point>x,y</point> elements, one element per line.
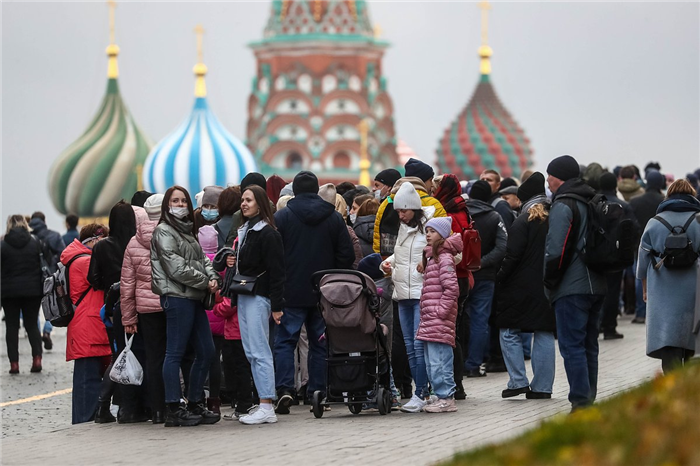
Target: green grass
<point>657,423</point>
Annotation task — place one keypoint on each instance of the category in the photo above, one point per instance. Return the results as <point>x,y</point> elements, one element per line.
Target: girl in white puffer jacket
<point>403,265</point>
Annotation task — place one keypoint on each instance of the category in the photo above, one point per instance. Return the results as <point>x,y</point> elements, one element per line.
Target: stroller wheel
<point>355,408</point>
<point>382,404</point>
<point>317,408</point>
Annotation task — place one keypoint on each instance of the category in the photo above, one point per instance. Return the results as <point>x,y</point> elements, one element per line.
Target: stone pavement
<point>39,431</point>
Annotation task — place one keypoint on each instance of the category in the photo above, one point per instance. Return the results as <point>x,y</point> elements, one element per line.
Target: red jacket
<point>438,301</point>
<point>224,310</point>
<point>87,336</point>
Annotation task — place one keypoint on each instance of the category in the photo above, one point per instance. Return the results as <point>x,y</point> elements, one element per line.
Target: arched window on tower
<point>341,160</point>
<point>294,161</point>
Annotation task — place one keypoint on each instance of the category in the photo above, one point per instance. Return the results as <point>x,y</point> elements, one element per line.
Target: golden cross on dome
<point>199,30</point>
<point>112,5</point>
<point>484,7</point>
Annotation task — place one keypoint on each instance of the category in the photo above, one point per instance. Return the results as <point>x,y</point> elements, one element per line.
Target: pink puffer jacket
<point>438,301</point>
<point>136,294</point>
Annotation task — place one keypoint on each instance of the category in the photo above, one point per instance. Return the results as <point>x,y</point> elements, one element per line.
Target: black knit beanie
<point>422,170</point>
<point>564,167</point>
<point>480,191</point>
<point>305,182</point>
<point>253,178</point>
<point>532,187</point>
<point>388,177</point>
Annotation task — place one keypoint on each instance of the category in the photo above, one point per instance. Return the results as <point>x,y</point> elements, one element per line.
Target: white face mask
<point>353,217</point>
<point>179,212</point>
<point>378,194</point>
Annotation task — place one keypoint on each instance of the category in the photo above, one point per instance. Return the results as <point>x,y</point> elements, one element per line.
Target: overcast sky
<point>610,82</point>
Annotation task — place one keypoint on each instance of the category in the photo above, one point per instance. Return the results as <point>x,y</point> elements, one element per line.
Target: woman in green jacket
<point>182,275</point>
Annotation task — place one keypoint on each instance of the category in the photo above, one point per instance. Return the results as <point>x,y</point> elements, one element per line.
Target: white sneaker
<point>259,416</point>
<point>414,405</point>
<point>432,399</point>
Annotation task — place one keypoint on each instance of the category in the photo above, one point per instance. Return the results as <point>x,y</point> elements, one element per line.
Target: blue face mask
<point>210,214</point>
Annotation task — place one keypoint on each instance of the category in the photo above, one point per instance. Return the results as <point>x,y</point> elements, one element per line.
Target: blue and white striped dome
<point>199,153</point>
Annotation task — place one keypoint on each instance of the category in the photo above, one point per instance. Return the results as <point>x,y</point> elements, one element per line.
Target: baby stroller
<point>357,367</point>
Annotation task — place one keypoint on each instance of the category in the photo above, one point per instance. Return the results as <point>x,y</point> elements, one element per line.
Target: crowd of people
<point>216,293</point>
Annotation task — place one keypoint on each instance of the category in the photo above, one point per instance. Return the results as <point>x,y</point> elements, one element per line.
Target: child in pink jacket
<point>438,311</point>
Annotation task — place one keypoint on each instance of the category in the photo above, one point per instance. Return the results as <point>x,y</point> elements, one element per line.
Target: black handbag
<point>243,284</point>
<point>209,300</point>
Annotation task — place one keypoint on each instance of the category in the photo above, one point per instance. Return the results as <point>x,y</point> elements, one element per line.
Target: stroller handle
<point>317,276</point>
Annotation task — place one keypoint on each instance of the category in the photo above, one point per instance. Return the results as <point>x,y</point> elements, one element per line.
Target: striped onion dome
<point>199,153</point>
<point>104,164</point>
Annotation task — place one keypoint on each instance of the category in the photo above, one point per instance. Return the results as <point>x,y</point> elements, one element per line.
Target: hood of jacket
<point>628,185</point>
<point>37,225</point>
<point>415,181</point>
<point>575,186</point>
<point>453,245</point>
<point>365,219</point>
<point>18,237</point>
<point>310,208</point>
<point>73,249</point>
<point>477,207</point>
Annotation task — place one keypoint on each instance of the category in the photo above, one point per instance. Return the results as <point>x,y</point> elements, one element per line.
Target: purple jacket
<point>438,301</point>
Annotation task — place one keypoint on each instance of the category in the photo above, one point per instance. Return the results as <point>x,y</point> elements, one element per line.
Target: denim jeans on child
<point>187,322</point>
<point>577,330</point>
<point>439,361</point>
<point>409,318</point>
<point>254,318</point>
<point>286,341</point>
<point>542,360</point>
<point>479,309</point>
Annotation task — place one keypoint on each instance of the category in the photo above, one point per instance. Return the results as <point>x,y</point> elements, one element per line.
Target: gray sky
<point>610,82</point>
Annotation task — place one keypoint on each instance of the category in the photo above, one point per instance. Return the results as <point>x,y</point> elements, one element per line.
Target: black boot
<point>158,417</point>
<point>198,408</point>
<point>103,416</point>
<point>179,416</point>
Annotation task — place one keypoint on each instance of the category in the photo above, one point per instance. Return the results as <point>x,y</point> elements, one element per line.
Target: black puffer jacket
<point>260,251</point>
<point>315,237</point>
<point>493,235</point>
<point>21,265</point>
<point>520,299</point>
<point>364,229</point>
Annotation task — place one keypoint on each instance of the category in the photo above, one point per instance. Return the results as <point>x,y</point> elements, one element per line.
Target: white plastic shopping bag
<point>126,369</point>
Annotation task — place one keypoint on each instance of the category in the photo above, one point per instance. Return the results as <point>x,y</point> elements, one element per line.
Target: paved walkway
<point>39,431</point>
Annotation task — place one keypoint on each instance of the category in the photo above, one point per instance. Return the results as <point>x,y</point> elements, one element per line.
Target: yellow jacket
<point>424,198</point>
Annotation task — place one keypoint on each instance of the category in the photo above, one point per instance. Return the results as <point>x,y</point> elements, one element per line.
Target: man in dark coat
<point>493,248</point>
<point>493,178</point>
<point>644,208</point>
<point>611,305</point>
<point>315,238</point>
<point>575,291</point>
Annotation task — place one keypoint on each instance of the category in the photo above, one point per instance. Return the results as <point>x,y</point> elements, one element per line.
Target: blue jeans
<point>479,309</point>
<point>87,382</point>
<point>577,330</point>
<point>641,307</point>
<point>186,322</point>
<point>542,360</point>
<point>286,339</point>
<point>439,362</point>
<point>409,318</point>
<point>254,318</point>
<point>526,339</point>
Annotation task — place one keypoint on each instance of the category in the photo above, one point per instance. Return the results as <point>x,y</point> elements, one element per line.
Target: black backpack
<point>610,235</point>
<point>678,248</point>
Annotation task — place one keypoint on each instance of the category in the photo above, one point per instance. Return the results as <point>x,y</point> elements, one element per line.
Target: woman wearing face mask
<point>181,276</point>
<point>259,253</point>
<point>364,224</point>
<point>86,341</point>
<point>404,268</point>
<point>356,203</point>
<point>208,212</point>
